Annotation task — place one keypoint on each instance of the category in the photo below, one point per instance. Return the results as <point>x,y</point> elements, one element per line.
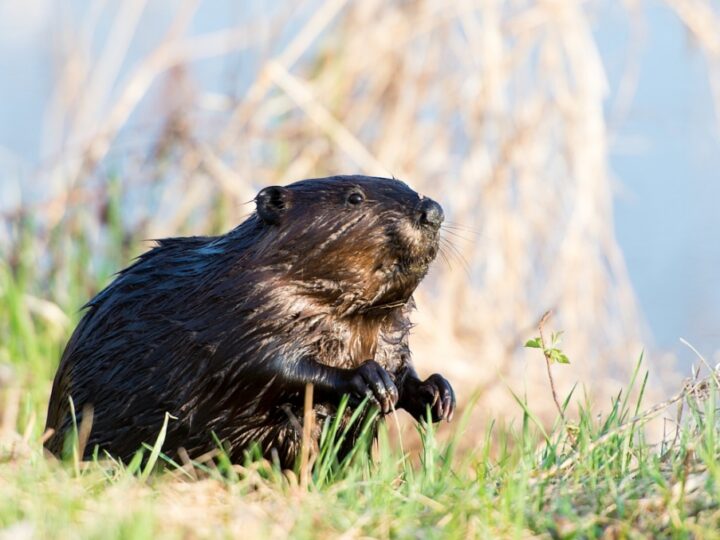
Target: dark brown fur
<point>225,332</point>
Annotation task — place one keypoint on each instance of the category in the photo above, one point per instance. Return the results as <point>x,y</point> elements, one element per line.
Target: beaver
<point>225,332</point>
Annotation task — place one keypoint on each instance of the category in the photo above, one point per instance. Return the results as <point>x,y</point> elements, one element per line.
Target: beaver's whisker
<point>456,234</point>
<point>455,252</point>
<point>459,227</point>
<point>460,257</point>
<point>444,256</point>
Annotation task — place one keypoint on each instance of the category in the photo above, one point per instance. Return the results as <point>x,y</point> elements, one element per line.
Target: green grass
<point>597,478</point>
<point>591,476</point>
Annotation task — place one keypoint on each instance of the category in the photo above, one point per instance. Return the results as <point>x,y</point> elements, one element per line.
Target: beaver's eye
<point>355,198</point>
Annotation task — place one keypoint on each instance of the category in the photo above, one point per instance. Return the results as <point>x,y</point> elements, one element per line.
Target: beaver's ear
<point>272,202</point>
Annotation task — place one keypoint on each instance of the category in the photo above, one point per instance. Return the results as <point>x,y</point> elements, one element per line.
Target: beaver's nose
<point>431,213</point>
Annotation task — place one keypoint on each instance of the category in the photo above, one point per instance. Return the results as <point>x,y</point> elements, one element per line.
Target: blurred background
<point>575,147</point>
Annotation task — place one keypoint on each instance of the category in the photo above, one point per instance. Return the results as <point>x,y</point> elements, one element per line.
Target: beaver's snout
<point>418,237</point>
<point>430,214</point>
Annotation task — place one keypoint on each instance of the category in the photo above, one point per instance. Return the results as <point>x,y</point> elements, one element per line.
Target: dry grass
<point>702,19</point>
<point>494,109</point>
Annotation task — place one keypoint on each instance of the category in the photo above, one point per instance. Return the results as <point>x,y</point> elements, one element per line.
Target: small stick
<point>541,325</point>
<point>702,359</point>
<point>85,429</point>
<point>49,432</point>
<point>307,433</point>
<point>187,465</point>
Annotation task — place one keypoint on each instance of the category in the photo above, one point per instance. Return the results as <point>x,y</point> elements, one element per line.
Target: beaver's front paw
<point>371,380</point>
<point>436,392</point>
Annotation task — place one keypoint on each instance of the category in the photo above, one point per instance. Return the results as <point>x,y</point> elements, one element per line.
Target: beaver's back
<point>145,343</point>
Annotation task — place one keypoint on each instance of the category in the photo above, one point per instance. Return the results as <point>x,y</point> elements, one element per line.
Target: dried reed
<point>495,109</point>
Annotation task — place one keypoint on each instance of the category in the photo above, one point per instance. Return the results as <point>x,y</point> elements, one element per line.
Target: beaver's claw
<point>371,380</point>
<point>436,392</point>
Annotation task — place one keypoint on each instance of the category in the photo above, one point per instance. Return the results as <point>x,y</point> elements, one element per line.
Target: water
<point>666,157</point>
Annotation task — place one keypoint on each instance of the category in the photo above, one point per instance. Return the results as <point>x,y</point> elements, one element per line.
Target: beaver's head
<point>360,243</point>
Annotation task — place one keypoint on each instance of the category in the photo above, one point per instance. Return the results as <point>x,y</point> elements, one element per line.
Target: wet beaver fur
<point>225,332</point>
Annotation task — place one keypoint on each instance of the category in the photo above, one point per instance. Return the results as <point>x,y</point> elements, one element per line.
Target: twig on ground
<point>702,359</point>
<point>306,436</point>
<point>548,361</point>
